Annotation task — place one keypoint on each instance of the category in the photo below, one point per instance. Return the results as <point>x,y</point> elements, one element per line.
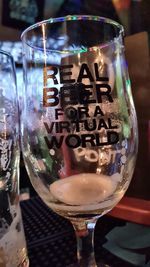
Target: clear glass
<point>79,127</point>
<point>12,239</point>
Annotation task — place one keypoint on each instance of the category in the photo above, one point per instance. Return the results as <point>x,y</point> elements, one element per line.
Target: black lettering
<point>90,125</point>
<point>110,124</point>
<point>71,113</point>
<point>101,92</point>
<point>86,75</point>
<point>76,125</point>
<point>102,124</point>
<point>54,142</point>
<point>50,100</point>
<point>68,95</point>
<point>64,125</point>
<point>50,76</point>
<point>98,141</point>
<point>83,111</point>
<point>98,78</point>
<point>85,95</point>
<point>98,111</point>
<point>58,112</point>
<point>73,141</point>
<point>66,73</point>
<point>57,127</point>
<point>49,129</point>
<point>113,137</point>
<point>88,138</point>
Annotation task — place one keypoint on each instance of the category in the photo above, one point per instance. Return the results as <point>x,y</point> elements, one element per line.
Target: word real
<point>72,100</point>
<point>78,93</point>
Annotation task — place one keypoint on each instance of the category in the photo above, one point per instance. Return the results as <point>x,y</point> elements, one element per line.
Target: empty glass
<point>79,128</point>
<point>12,239</point>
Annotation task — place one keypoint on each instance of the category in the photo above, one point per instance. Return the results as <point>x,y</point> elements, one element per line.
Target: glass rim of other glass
<point>8,54</point>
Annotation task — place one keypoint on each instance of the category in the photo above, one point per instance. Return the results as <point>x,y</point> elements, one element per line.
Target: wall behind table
<point>7,33</point>
<point>138,57</point>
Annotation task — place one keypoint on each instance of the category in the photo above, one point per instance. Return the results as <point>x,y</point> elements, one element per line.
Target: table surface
<point>51,241</point>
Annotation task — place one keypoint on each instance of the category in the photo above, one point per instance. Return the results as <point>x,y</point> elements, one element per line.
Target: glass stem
<point>85,244</point>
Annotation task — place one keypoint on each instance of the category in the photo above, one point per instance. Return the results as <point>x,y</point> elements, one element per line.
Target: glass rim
<point>73,18</point>
<point>5,53</point>
<point>12,62</point>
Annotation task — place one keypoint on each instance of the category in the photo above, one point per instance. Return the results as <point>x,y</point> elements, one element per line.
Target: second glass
<point>79,128</point>
<point>13,251</point>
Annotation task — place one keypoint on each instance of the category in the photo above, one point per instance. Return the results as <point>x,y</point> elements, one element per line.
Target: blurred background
<point>16,15</point>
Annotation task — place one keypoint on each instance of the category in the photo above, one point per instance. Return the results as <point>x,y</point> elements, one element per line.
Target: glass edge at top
<point>74,18</point>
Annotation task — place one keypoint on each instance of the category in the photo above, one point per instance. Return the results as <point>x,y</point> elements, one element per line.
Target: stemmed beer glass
<point>79,127</point>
